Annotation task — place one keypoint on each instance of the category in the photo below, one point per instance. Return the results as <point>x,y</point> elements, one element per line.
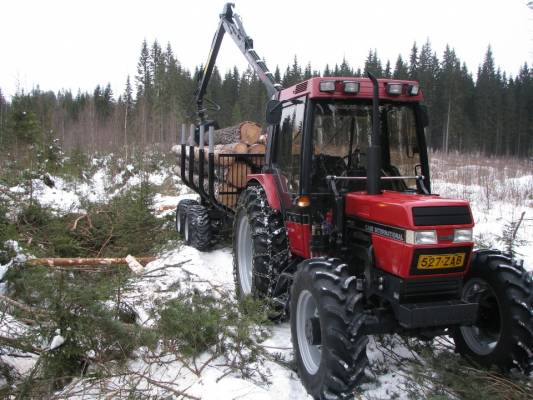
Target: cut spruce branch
<point>22,306</point>
<point>77,262</point>
<point>19,344</point>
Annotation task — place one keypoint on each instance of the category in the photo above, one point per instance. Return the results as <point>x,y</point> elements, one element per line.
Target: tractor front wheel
<point>260,249</point>
<point>503,332</point>
<point>326,318</point>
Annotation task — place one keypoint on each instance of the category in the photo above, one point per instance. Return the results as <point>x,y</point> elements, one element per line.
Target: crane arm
<point>231,24</point>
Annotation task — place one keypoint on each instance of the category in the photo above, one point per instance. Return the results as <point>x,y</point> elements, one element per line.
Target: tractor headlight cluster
<point>413,90</point>
<point>394,89</point>
<point>462,235</point>
<point>351,87</point>
<point>421,237</point>
<point>327,86</point>
<point>430,237</point>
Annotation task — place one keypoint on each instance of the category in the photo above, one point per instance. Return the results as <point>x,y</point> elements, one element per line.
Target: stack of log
<point>244,138</point>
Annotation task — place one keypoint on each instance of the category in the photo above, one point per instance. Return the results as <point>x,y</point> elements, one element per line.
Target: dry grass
<point>481,179</point>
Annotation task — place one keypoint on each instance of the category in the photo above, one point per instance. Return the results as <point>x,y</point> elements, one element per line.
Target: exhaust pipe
<point>373,169</point>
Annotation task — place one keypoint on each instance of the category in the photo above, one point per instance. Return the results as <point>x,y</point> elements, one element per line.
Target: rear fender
<point>297,225</point>
<point>267,181</point>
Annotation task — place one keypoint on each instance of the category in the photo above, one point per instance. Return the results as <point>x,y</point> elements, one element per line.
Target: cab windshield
<point>341,136</point>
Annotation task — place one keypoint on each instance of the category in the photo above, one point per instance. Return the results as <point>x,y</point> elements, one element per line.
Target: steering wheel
<point>356,154</point>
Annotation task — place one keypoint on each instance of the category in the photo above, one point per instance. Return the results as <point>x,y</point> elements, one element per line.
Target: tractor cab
<point>336,136</point>
<point>326,128</point>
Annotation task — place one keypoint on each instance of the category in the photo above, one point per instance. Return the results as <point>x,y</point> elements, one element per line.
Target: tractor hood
<point>408,211</point>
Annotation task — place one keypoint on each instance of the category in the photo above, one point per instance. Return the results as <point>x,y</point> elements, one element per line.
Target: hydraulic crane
<point>231,24</point>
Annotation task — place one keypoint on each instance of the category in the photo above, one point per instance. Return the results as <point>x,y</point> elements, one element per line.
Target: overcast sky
<point>78,44</point>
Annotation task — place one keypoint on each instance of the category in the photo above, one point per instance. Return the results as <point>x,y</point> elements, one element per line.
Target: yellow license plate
<point>439,261</point>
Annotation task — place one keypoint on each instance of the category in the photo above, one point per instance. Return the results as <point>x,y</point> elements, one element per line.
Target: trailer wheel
<point>260,250</point>
<point>326,317</point>
<point>197,227</point>
<point>503,333</point>
<point>180,214</point>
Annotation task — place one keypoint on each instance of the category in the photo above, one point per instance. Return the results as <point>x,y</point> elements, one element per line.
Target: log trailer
<point>340,230</point>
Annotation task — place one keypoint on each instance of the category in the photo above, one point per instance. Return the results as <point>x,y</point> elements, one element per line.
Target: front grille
<point>434,288</point>
<point>441,215</point>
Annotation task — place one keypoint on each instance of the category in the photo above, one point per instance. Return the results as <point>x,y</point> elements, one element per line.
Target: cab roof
<point>311,88</point>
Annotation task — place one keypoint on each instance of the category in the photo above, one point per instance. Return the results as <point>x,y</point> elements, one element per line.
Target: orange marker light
<point>303,201</point>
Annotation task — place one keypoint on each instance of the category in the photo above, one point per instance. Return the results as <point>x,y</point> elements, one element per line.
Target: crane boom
<point>231,24</point>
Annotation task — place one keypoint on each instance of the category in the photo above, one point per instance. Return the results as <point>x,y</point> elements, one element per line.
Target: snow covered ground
<point>212,271</point>
<point>499,192</point>
<point>207,272</point>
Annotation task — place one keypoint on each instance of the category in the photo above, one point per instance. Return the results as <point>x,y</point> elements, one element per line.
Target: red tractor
<point>340,229</point>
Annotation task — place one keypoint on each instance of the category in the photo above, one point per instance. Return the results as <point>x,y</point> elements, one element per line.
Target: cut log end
<point>227,195</point>
<point>237,174</point>
<point>250,132</point>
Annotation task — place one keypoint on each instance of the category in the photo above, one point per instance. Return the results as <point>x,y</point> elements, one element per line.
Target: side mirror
<point>424,115</point>
<point>273,112</point>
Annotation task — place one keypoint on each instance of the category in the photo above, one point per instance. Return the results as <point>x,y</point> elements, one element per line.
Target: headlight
<point>421,237</point>
<point>413,90</point>
<point>327,86</point>
<point>351,87</point>
<point>462,235</point>
<point>394,89</point>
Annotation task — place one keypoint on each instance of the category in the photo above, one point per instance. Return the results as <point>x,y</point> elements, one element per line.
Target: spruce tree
<point>307,72</point>
<point>144,92</point>
<point>486,112</point>
<point>144,73</point>
<point>277,74</point>
<point>373,64</point>
<point>401,70</point>
<point>293,74</point>
<point>387,73</point>
<point>3,110</point>
<point>345,69</point>
<point>413,62</point>
<point>24,124</point>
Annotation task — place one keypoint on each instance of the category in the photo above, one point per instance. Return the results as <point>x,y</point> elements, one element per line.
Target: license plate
<point>439,261</point>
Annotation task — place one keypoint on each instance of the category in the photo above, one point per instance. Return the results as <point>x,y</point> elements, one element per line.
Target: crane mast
<point>231,24</point>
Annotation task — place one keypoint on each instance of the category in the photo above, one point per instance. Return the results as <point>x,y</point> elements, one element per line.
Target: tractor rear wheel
<point>260,250</point>
<point>503,333</point>
<point>326,317</point>
<point>197,227</point>
<point>180,214</point>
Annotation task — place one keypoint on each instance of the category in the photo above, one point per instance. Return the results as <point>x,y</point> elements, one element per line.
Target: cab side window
<point>289,145</point>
